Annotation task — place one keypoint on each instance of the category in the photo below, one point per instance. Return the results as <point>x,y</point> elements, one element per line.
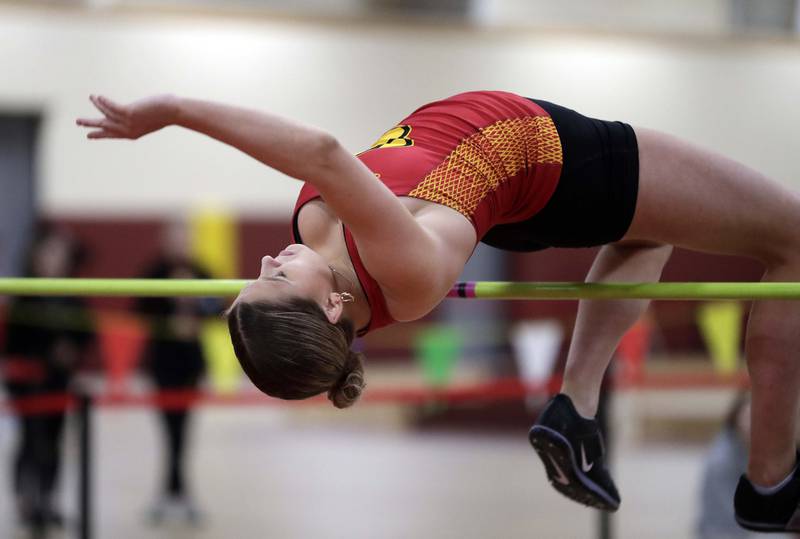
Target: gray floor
<point>264,472</point>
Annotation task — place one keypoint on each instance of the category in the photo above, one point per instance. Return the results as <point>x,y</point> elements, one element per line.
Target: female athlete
<point>382,236</point>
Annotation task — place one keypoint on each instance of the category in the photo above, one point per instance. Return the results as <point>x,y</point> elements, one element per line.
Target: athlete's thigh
<point>701,200</point>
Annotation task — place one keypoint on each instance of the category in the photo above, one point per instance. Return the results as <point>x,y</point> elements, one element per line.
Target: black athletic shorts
<point>595,198</point>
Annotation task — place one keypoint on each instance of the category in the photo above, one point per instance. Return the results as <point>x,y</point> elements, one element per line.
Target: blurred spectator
<point>46,339</point>
<point>174,359</point>
<point>725,461</point>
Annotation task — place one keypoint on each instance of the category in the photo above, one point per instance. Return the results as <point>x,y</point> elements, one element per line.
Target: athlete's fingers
<point>110,103</point>
<point>111,125</point>
<point>90,122</point>
<point>106,107</point>
<point>103,123</point>
<point>102,133</point>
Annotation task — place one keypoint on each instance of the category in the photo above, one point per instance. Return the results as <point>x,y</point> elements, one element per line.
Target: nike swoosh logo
<point>585,466</point>
<point>560,476</point>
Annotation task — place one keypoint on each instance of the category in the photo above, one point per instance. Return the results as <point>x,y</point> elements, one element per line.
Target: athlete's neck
<point>335,253</point>
<point>346,280</point>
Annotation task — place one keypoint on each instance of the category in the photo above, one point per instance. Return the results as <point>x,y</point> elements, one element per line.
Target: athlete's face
<point>296,271</point>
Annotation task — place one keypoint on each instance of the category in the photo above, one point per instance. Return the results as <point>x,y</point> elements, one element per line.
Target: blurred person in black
<point>174,360</point>
<point>47,338</point>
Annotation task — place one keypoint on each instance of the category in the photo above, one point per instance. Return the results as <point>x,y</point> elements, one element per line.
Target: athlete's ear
<point>334,307</point>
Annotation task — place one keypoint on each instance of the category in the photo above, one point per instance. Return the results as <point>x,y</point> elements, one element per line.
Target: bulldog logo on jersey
<point>396,137</point>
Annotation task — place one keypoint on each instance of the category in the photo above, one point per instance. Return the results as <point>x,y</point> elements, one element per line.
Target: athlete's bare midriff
<point>321,229</point>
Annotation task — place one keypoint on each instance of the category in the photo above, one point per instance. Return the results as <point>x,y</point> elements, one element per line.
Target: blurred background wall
<point>709,71</point>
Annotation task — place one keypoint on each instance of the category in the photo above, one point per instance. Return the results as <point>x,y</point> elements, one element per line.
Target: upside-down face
<point>297,271</point>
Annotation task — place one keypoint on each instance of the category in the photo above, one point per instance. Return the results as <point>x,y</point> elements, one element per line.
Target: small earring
<point>346,297</point>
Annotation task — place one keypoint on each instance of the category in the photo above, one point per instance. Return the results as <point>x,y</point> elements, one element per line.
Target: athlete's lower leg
<point>767,497</point>
<point>601,324</point>
<point>773,359</point>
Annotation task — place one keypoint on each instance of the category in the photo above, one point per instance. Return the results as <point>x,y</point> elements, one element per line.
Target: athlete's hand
<point>130,121</point>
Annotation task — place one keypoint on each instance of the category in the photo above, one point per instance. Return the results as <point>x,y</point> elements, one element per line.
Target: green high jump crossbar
<point>468,289</point>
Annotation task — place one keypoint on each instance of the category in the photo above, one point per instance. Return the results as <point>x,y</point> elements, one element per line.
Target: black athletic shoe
<point>768,513</point>
<point>571,448</point>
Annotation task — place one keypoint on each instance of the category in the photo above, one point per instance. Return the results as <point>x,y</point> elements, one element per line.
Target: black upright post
<point>85,459</point>
<point>604,525</point>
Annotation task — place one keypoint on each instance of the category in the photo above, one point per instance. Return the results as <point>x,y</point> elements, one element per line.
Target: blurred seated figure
<point>724,463</point>
<point>46,339</point>
<point>173,358</point>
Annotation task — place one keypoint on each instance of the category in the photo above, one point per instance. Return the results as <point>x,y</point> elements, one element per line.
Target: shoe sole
<point>559,461</point>
<point>764,526</point>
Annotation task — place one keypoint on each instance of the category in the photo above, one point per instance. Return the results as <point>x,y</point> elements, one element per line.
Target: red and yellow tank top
<point>495,157</point>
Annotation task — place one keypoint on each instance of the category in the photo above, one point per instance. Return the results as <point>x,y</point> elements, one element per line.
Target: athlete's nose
<point>268,262</point>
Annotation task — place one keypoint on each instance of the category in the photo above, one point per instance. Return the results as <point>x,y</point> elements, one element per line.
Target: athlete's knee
<point>779,255</point>
<point>651,249</point>
<point>780,246</point>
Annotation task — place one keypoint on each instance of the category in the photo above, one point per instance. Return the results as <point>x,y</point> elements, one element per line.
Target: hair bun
<point>349,388</point>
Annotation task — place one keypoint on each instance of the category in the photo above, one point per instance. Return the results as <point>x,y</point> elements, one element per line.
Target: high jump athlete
<point>382,236</point>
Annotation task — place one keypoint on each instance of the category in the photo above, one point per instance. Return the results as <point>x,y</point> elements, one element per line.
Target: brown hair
<point>291,351</point>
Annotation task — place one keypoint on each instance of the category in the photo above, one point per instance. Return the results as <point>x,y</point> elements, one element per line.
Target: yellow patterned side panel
<point>480,163</point>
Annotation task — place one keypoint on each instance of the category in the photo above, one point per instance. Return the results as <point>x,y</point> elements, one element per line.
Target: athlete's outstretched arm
<point>287,146</point>
<point>386,231</point>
